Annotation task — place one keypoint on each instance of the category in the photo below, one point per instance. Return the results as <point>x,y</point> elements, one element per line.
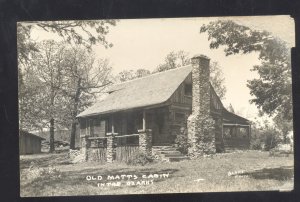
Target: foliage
<point>139,158</point>
<point>39,82</point>
<point>256,144</point>
<point>34,172</point>
<point>126,75</point>
<point>272,90</point>
<point>175,60</point>
<point>182,142</point>
<point>284,126</point>
<point>217,79</point>
<point>264,136</point>
<point>57,83</point>
<point>230,108</point>
<point>271,139</point>
<point>84,79</point>
<point>182,58</point>
<point>86,33</point>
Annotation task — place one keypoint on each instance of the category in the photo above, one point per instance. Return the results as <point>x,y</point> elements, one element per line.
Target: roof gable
<point>146,91</point>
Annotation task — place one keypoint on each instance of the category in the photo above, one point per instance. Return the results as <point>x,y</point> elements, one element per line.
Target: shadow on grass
<point>46,160</point>
<point>281,173</point>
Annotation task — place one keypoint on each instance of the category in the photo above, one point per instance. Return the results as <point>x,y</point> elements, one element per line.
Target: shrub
<point>35,172</point>
<point>256,144</point>
<point>182,141</point>
<point>271,140</point>
<point>139,158</point>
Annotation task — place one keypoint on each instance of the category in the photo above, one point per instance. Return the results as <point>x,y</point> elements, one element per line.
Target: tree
<point>84,79</point>
<point>217,79</point>
<point>30,89</point>
<point>141,73</point>
<point>284,126</point>
<point>127,75</point>
<point>230,108</point>
<point>174,60</point>
<point>35,108</point>
<point>272,91</point>
<point>85,32</point>
<point>48,67</point>
<point>182,58</point>
<point>59,82</point>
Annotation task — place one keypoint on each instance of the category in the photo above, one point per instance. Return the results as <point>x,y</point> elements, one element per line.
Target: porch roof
<point>231,118</point>
<point>142,92</point>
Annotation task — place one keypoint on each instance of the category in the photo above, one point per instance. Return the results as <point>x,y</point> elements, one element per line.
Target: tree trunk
<point>74,114</point>
<point>52,148</point>
<point>73,135</point>
<point>284,138</point>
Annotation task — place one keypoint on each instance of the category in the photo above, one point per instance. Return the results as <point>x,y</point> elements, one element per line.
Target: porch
<point>117,136</point>
<point>236,136</point>
<point>129,123</point>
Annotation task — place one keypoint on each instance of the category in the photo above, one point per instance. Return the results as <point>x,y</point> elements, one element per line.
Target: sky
<point>144,43</point>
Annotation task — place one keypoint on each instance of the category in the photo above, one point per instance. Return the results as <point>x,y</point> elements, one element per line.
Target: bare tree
<point>84,79</point>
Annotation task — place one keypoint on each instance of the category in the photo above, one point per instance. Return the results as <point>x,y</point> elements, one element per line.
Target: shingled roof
<point>142,92</point>
<point>148,91</point>
<point>232,118</point>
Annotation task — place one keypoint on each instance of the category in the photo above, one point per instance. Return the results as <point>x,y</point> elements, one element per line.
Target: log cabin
<point>166,102</point>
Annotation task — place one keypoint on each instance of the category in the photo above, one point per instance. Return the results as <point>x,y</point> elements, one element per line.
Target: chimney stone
<point>200,123</point>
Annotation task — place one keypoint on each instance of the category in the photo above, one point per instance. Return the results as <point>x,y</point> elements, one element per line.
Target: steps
<point>168,153</point>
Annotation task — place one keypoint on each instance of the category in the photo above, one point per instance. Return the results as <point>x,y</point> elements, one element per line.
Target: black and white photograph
<point>155,105</point>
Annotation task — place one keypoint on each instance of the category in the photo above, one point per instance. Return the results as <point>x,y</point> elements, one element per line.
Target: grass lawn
<point>239,171</point>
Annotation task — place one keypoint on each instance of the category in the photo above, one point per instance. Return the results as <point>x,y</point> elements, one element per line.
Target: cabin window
<point>98,127</point>
<point>188,89</point>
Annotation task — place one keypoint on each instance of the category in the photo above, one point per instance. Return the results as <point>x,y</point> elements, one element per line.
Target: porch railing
<point>127,140</point>
<point>96,149</point>
<point>126,146</point>
<point>97,142</point>
<point>116,147</point>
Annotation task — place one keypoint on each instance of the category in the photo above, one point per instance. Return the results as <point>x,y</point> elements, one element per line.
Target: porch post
<point>112,125</point>
<point>145,138</point>
<point>144,120</point>
<point>230,131</point>
<point>249,134</point>
<point>237,131</point>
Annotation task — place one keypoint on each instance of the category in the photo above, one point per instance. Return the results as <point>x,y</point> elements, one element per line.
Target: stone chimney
<point>200,123</point>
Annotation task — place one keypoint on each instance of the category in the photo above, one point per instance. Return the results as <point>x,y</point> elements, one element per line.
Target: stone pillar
<point>111,147</point>
<point>84,146</point>
<point>201,126</point>
<point>145,141</point>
